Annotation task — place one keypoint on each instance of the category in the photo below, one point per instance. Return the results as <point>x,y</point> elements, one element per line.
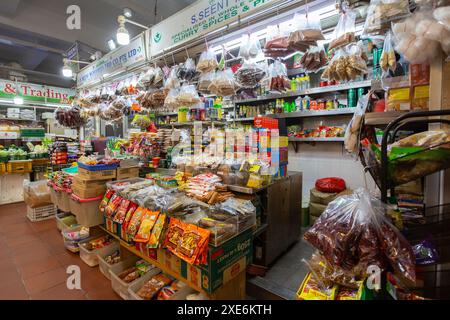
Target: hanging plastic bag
<point>187,70</point>
<point>277,44</point>
<point>187,96</point>
<point>347,64</point>
<point>250,47</point>
<point>388,60</point>
<point>442,15</point>
<point>354,234</point>
<point>223,84</point>
<point>314,59</point>
<point>158,78</point>
<point>172,80</point>
<point>249,75</point>
<point>307,31</point>
<point>345,30</point>
<point>205,81</point>
<point>279,81</point>
<point>381,12</point>
<point>207,61</point>
<point>354,127</point>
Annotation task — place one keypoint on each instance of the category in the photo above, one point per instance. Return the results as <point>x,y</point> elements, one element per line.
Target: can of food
<point>360,92</point>
<point>332,83</point>
<point>320,104</point>
<point>329,105</point>
<point>323,83</point>
<point>351,98</point>
<point>313,105</point>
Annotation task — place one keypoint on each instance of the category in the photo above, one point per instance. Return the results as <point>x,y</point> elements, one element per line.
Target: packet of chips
<point>147,223</point>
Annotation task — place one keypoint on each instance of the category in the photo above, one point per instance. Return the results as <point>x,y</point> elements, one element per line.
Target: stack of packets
<point>200,186</point>
<point>187,241</point>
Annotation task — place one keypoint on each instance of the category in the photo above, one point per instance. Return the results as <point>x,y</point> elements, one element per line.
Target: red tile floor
<point>33,262</point>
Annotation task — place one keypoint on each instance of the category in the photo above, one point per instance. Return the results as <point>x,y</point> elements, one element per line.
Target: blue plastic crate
<point>98,167</point>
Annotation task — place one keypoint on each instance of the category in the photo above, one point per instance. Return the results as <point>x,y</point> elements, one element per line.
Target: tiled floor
<point>33,262</point>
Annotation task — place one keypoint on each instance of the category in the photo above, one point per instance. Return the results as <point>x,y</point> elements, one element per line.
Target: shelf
<point>14,119</point>
<point>338,139</point>
<point>317,113</point>
<point>184,124</point>
<point>241,119</point>
<point>319,90</point>
<point>260,230</point>
<point>245,190</point>
<point>381,118</point>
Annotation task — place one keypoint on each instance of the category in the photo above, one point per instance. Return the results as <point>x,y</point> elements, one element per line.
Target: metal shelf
<point>319,90</point>
<point>313,113</point>
<point>185,124</point>
<point>241,119</point>
<point>337,139</point>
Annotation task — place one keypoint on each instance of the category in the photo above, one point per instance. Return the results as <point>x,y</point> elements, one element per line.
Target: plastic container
<point>179,295</point>
<point>90,257</point>
<point>86,210</point>
<point>122,184</point>
<point>65,220</point>
<point>41,213</point>
<point>119,286</point>
<point>103,265</point>
<point>98,167</point>
<point>63,200</point>
<point>71,243</point>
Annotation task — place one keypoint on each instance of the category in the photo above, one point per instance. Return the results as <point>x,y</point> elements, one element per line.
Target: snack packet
<point>147,223</point>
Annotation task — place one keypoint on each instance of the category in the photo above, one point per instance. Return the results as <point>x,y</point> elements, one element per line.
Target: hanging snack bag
<point>187,96</point>
<point>187,70</point>
<point>223,84</point>
<point>171,98</point>
<point>172,80</point>
<point>381,12</point>
<point>307,32</point>
<point>250,47</point>
<point>314,59</point>
<point>147,223</point>
<point>207,61</point>
<point>345,30</point>
<point>388,60</point>
<point>277,44</point>
<point>205,81</point>
<point>279,81</point>
<point>249,75</point>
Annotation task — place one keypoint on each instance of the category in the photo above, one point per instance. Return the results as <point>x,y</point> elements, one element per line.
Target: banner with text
<point>200,18</point>
<point>123,57</point>
<point>35,92</point>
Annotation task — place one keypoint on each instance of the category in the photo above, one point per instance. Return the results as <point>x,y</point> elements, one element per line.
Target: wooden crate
<point>20,166</point>
<point>127,173</point>
<point>97,175</point>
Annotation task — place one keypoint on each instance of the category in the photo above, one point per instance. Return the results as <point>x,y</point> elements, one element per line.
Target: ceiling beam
<point>29,44</point>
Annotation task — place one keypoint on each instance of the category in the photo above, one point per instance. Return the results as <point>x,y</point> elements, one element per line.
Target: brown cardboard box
<point>97,175</point>
<point>89,193</point>
<point>81,182</point>
<point>127,173</point>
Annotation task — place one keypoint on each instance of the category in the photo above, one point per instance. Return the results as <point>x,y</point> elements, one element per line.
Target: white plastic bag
<point>207,61</point>
<point>353,129</point>
<point>345,30</point>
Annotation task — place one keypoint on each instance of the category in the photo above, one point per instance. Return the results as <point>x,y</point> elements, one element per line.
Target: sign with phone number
<point>200,18</point>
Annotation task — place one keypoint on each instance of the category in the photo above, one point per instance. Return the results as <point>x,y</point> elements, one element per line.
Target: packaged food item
<point>106,198</point>
<point>381,12</point>
<point>311,289</point>
<point>314,59</point>
<point>113,205</point>
<point>187,70</point>
<point>151,288</point>
<point>388,60</point>
<point>347,64</point>
<point>279,81</point>
<point>277,44</point>
<point>156,233</point>
<point>399,99</point>
<point>425,253</point>
<point>171,98</point>
<point>353,129</point>
<point>331,185</point>
<point>113,258</point>
<point>350,294</point>
<point>250,47</point>
<point>205,81</point>
<point>172,81</point>
<point>147,223</point>
<point>249,75</point>
<point>370,239</point>
<point>119,217</point>
<point>421,98</point>
<point>187,96</point>
<point>135,222</point>
<point>207,61</point>
<point>167,292</point>
<point>174,233</point>
<point>345,30</point>
<point>223,84</point>
<point>307,31</point>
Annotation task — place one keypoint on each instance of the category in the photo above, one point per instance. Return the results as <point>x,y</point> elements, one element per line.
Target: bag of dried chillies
<point>345,29</point>
<point>306,32</point>
<point>353,233</point>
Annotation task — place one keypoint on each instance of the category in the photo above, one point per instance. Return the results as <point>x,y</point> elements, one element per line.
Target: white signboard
<point>123,57</point>
<point>31,92</point>
<point>200,18</point>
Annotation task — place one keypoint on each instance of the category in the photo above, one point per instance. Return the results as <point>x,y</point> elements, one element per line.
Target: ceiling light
<point>127,12</point>
<point>123,37</point>
<point>111,44</point>
<point>67,70</point>
<point>18,100</point>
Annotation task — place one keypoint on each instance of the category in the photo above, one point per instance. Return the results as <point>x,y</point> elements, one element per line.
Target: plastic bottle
<point>306,101</point>
<point>307,82</point>
<point>298,104</point>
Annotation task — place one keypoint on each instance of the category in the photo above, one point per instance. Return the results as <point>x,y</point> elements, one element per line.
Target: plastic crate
<point>41,213</point>
<point>98,167</point>
<point>86,210</point>
<point>102,264</point>
<point>72,244</point>
<point>20,166</point>
<point>134,286</point>
<point>90,257</point>
<point>120,287</point>
<point>179,295</point>
<point>65,220</point>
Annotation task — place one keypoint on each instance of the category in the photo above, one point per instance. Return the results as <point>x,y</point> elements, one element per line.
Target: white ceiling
<point>34,32</point>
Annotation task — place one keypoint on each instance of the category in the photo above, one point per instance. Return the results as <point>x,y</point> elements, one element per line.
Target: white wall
<point>326,159</point>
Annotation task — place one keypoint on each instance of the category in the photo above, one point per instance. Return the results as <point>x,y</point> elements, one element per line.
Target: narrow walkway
<point>33,262</point>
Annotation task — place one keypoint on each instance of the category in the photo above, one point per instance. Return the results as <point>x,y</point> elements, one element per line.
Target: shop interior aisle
<point>33,262</point>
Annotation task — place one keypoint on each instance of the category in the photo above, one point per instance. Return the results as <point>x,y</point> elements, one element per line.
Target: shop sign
<point>200,18</point>
<point>123,57</point>
<point>35,92</point>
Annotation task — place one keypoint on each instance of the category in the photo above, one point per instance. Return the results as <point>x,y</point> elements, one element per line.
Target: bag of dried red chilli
<point>331,185</point>
<point>354,234</point>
